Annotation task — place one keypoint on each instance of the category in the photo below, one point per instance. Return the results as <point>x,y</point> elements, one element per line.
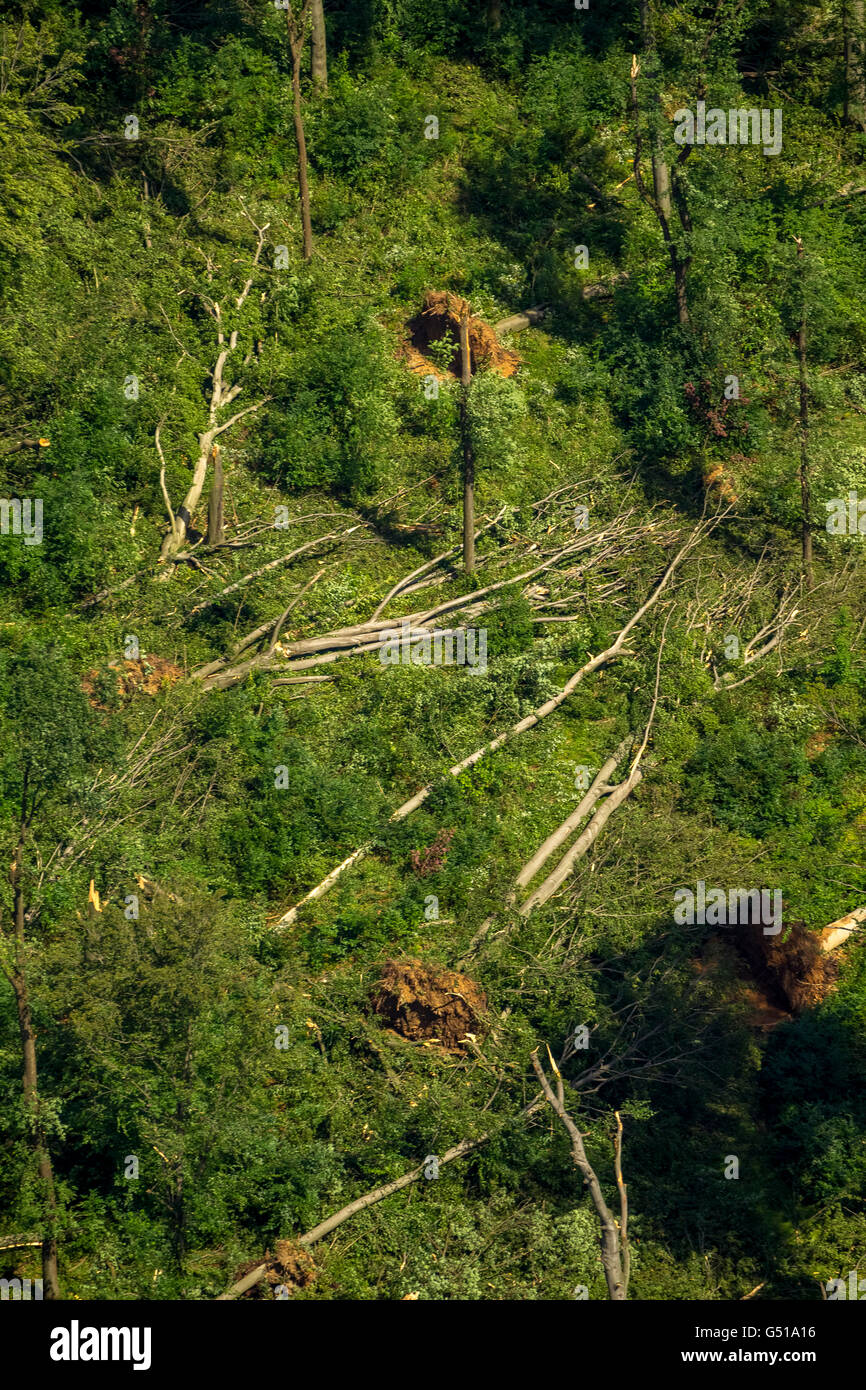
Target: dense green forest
<point>284,913</point>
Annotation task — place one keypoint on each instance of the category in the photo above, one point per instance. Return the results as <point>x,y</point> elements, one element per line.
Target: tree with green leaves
<point>47,737</point>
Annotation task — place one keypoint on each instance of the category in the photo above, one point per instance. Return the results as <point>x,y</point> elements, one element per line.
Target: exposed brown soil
<point>776,978</point>
<point>292,1266</point>
<point>422,1004</point>
<point>440,318</point>
<point>719,957</point>
<point>145,676</point>
<point>792,969</point>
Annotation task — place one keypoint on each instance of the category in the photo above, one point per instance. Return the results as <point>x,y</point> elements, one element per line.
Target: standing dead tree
<point>614,1234</point>
<point>221,396</point>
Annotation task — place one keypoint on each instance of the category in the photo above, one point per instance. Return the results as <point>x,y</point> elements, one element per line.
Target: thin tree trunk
<point>30,1079</point>
<point>805,477</point>
<point>854,107</point>
<point>215,501</point>
<point>858,107</point>
<point>468,455</point>
<point>494,15</point>
<point>662,198</point>
<point>680,286</point>
<point>297,33</point>
<point>319,48</point>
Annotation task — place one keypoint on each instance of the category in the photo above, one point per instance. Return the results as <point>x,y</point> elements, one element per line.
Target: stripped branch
<point>368,1200</point>
<point>611,653</point>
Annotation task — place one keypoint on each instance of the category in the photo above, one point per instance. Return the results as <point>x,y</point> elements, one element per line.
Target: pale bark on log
<point>518,322</point>
<point>765,641</point>
<point>407,579</point>
<point>617,796</point>
<point>366,637</point>
<point>559,836</point>
<point>840,932</point>
<point>183,516</point>
<point>594,663</point>
<point>19,1242</point>
<point>271,565</point>
<point>368,1200</point>
<point>582,844</point>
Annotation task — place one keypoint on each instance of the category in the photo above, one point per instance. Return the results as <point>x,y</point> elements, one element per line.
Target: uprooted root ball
<point>423,1004</point>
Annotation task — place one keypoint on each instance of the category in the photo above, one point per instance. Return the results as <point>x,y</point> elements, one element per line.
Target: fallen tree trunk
<point>269,660</point>
<point>407,579</point>
<point>19,1242</point>
<point>594,663</point>
<point>840,932</point>
<point>366,636</point>
<point>361,637</point>
<point>272,565</point>
<point>580,847</point>
<point>517,322</point>
<point>598,788</point>
<point>368,1200</point>
<point>617,796</point>
<point>766,640</point>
